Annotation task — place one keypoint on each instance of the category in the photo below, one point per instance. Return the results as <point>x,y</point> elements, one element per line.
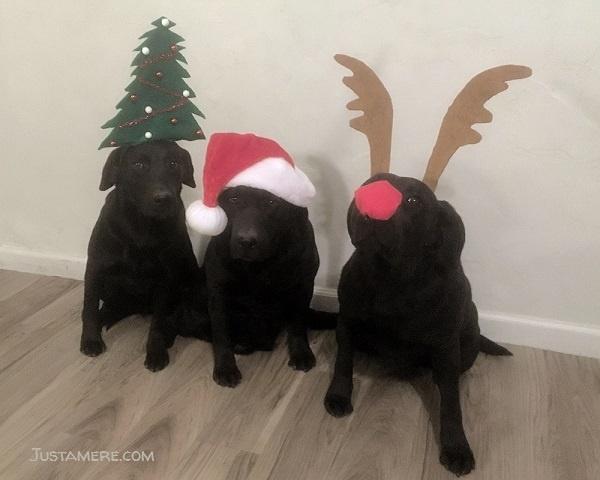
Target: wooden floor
<point>533,416</point>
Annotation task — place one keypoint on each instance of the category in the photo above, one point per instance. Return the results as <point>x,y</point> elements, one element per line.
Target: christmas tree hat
<point>157,105</point>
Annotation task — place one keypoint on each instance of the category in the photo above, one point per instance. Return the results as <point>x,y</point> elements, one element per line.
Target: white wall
<point>529,193</point>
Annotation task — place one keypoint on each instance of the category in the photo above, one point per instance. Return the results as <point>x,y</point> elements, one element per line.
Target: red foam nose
<point>378,200</point>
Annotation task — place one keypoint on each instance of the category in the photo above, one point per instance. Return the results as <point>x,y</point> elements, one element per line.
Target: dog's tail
<point>319,320</point>
<point>492,348</point>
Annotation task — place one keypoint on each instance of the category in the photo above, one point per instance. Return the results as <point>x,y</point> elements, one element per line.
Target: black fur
<point>405,300</point>
<point>260,274</point>
<point>140,258</point>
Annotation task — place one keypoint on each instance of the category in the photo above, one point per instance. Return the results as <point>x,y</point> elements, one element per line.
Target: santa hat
<point>233,160</point>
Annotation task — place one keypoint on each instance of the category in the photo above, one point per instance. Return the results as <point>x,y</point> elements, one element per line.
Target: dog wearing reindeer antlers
<point>404,298</point>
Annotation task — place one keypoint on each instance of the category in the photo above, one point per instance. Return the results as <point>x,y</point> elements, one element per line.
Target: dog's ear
<point>450,235</point>
<point>110,172</point>
<point>188,168</point>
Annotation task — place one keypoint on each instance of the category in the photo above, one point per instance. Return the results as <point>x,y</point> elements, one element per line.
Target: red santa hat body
<point>234,159</point>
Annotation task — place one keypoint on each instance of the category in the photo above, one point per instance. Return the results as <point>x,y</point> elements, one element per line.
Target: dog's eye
<point>233,199</point>
<point>173,164</point>
<point>413,201</point>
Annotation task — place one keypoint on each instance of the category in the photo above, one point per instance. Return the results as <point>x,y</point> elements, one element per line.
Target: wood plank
<point>520,419</point>
<point>310,444</point>
<point>22,338</point>
<point>13,282</point>
<point>35,296</point>
<point>535,415</point>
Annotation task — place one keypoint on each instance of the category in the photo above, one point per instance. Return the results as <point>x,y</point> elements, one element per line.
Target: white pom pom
<point>206,220</point>
<point>146,51</point>
<point>165,22</point>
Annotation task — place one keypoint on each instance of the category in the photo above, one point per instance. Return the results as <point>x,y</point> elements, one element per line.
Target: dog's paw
<point>458,459</point>
<point>227,376</point>
<point>156,361</point>
<point>338,406</point>
<point>92,348</point>
<point>303,360</point>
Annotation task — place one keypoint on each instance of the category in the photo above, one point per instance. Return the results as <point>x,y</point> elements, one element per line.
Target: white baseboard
<point>29,261</point>
<point>325,299</point>
<point>544,333</point>
<point>547,334</point>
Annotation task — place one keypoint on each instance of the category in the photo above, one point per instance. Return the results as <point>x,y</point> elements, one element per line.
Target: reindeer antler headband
<point>455,131</point>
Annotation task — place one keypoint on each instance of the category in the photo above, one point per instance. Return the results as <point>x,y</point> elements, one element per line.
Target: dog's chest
<point>143,262</point>
<point>406,299</point>
<point>400,312</point>
<point>256,309</point>
<point>136,272</point>
<point>268,285</point>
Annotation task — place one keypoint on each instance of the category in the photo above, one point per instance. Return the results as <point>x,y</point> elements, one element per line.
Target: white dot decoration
<point>148,109</point>
<point>186,93</point>
<point>165,22</point>
<point>145,50</point>
<point>148,134</point>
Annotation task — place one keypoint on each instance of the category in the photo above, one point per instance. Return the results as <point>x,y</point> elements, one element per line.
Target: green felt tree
<point>157,105</point>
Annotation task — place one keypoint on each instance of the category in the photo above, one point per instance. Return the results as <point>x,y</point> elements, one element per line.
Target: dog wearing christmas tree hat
<point>140,259</point>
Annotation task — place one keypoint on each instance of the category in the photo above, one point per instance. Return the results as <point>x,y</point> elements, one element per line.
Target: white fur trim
<point>277,176</point>
<point>206,220</point>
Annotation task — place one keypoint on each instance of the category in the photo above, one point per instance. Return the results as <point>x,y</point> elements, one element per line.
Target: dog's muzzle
<point>378,200</point>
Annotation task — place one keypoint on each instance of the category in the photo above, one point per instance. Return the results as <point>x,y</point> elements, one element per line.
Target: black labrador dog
<point>140,258</point>
<point>260,274</point>
<point>405,300</point>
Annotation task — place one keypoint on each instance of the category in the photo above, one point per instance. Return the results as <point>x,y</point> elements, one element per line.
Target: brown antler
<point>466,110</point>
<point>376,103</point>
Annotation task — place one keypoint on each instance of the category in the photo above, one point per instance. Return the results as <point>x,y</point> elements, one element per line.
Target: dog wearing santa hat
<point>262,258</point>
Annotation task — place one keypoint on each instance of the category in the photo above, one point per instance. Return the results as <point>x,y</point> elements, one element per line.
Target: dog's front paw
<point>229,376</point>
<point>92,348</point>
<point>337,405</point>
<point>458,459</point>
<point>156,361</point>
<point>303,360</point>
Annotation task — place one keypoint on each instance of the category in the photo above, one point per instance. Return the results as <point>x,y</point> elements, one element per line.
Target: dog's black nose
<point>247,240</point>
<point>162,197</point>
